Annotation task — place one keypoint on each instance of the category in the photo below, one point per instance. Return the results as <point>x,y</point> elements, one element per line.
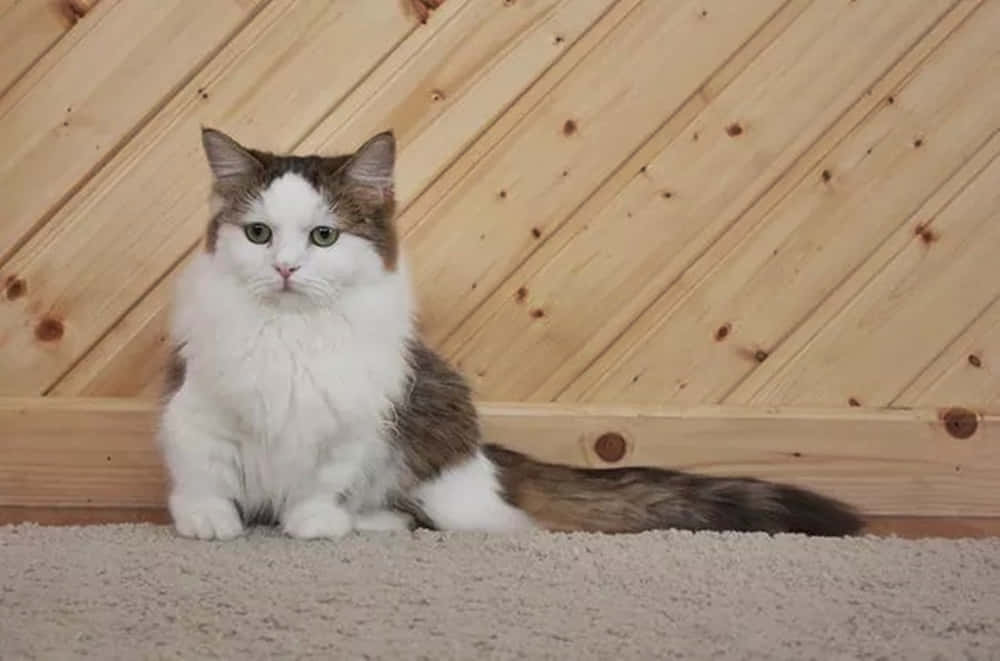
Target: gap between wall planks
<point>77,279</point>
<point>82,452</point>
<point>77,107</point>
<point>916,131</point>
<point>438,105</point>
<point>685,213</point>
<point>27,31</point>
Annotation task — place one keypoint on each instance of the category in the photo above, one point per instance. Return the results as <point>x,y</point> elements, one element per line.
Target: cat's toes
<point>317,519</point>
<point>212,518</point>
<point>383,521</point>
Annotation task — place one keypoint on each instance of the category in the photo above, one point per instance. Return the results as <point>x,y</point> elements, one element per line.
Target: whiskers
<point>301,291</point>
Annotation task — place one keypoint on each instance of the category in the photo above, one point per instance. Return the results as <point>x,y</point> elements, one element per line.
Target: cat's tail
<point>622,500</point>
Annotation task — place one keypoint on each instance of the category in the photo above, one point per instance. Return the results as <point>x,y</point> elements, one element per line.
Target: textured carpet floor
<point>137,592</point>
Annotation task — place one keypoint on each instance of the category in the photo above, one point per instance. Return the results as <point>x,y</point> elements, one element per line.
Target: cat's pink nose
<point>285,271</point>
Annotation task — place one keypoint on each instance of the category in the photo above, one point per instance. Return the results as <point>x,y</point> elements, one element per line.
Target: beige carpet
<point>137,592</point>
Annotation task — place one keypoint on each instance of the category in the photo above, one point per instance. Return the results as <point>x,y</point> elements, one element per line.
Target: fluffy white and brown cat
<point>301,395</point>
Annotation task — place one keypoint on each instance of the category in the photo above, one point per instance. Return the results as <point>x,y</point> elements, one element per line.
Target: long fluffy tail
<point>621,500</point>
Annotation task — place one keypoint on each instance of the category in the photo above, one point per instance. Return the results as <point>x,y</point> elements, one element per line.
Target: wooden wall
<point>770,202</point>
<point>630,202</point>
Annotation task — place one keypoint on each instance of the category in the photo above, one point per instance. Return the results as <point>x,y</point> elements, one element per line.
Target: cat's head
<point>302,228</point>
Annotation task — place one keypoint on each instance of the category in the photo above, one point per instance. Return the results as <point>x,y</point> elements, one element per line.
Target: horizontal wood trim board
<point>73,452</point>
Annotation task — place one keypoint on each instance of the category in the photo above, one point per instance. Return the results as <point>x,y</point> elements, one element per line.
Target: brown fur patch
<point>436,425</point>
<point>176,371</point>
<point>625,500</point>
<point>364,211</point>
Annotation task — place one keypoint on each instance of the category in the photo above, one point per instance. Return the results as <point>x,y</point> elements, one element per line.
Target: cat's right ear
<point>229,160</point>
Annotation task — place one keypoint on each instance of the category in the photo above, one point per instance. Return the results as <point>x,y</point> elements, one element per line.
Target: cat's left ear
<point>372,164</point>
<point>228,159</point>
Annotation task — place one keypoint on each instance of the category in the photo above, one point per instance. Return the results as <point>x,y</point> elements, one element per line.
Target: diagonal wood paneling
<point>76,106</point>
<point>438,91</point>
<point>686,197</point>
<point>700,341</point>
<point>608,105</point>
<point>967,371</point>
<point>27,30</point>
<point>111,243</point>
<point>631,201</point>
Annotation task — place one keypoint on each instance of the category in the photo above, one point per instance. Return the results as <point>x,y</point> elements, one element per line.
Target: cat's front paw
<point>205,518</point>
<point>316,519</point>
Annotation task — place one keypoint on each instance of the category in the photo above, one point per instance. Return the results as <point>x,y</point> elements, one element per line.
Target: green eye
<point>324,236</point>
<point>257,232</point>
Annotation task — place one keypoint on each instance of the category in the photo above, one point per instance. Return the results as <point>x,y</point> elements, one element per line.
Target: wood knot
<point>960,422</point>
<point>80,8</point>
<point>925,233</point>
<point>16,288</point>
<point>610,447</point>
<point>734,130</point>
<point>49,330</point>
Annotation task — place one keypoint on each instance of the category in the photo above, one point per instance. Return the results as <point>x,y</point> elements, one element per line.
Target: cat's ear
<point>228,159</point>
<point>372,164</point>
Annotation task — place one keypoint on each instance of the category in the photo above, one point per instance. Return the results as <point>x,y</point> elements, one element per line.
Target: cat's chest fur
<point>298,392</point>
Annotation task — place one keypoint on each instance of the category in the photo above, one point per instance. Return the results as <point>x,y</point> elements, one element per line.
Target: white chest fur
<point>297,394</point>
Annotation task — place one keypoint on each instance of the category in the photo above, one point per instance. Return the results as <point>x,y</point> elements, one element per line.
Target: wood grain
<point>674,205</point>
<point>838,215</point>
<point>607,106</point>
<point>27,31</point>
<point>967,371</point>
<point>438,92</point>
<point>869,351</point>
<point>57,452</point>
<point>84,99</point>
<point>114,240</point>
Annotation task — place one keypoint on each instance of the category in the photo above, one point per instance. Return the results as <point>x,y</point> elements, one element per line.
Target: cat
<point>300,395</point>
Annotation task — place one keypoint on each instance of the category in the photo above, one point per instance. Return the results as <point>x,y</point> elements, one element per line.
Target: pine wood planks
<point>77,105</point>
<point>143,210</point>
<point>920,462</point>
<point>437,103</point>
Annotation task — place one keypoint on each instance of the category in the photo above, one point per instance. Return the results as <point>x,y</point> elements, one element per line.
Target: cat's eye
<point>257,233</point>
<point>324,236</point>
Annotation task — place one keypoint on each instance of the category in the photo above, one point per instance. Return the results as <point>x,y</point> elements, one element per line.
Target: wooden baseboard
<point>100,453</point>
<point>908,527</point>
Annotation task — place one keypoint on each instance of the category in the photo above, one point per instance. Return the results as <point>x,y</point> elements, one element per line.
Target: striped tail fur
<point>624,500</point>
